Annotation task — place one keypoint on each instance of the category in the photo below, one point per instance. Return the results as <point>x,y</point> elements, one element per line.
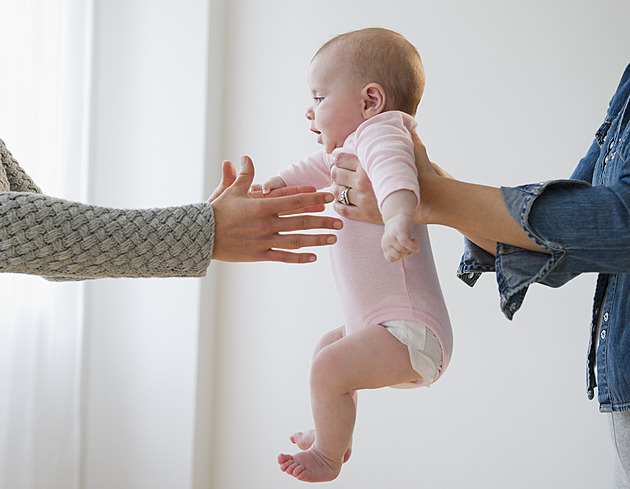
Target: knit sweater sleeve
<point>12,175</point>
<point>65,240</point>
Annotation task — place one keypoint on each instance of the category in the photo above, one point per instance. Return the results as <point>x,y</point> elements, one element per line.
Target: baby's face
<point>337,108</point>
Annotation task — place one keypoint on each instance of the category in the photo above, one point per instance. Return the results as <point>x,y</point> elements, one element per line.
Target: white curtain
<point>44,55</point>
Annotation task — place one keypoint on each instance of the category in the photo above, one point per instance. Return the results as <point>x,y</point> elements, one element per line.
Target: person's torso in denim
<point>585,224</point>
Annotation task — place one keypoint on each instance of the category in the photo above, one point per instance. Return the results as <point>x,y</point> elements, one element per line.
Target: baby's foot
<point>305,439</point>
<point>309,466</point>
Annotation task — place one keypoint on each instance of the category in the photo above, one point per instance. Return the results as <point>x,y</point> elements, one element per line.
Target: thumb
<point>246,175</point>
<point>228,174</point>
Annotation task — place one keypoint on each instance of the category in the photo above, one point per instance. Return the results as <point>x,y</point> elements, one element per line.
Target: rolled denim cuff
<point>517,268</point>
<point>474,262</point>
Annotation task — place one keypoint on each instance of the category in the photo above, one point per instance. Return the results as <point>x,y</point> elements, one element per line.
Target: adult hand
<point>349,176</point>
<point>251,229</point>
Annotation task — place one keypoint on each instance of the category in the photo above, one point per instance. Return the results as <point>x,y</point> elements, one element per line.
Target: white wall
<point>515,91</point>
<point>514,94</point>
<point>147,150</point>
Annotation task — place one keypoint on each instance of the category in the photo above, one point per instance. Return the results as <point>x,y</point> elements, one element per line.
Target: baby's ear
<point>374,99</point>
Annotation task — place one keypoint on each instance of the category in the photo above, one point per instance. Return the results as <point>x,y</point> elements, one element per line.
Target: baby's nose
<point>310,115</point>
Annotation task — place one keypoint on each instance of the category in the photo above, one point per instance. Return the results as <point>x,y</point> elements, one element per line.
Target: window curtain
<point>44,60</point>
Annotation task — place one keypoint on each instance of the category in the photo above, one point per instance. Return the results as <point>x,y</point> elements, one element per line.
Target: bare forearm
<point>477,211</point>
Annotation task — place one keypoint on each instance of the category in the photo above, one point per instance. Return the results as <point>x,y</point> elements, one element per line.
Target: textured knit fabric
<point>63,240</point>
<point>372,290</point>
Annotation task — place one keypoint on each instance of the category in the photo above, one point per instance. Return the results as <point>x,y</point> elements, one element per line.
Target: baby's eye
<point>318,100</point>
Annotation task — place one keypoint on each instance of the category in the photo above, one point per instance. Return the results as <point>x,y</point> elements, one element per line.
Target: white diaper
<point>425,351</point>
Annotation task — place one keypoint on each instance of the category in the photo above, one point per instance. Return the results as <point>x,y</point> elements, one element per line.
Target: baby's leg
<point>368,359</point>
<point>304,439</point>
<point>329,338</point>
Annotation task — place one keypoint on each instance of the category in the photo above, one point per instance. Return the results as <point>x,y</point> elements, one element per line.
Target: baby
<point>366,87</point>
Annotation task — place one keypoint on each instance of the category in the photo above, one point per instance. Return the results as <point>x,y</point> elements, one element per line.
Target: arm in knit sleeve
<point>64,240</point>
<point>12,176</point>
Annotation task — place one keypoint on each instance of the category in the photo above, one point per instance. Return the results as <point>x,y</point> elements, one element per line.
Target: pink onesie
<point>373,290</point>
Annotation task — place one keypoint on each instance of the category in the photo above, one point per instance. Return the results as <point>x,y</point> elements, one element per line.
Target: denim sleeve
<point>584,229</point>
<point>588,226</point>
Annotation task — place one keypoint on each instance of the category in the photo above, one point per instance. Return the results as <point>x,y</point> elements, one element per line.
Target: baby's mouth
<point>319,135</point>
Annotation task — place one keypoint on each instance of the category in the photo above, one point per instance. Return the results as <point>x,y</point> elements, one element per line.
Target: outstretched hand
<point>249,228</point>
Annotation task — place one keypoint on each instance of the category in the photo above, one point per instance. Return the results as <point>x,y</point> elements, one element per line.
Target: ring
<point>343,198</point>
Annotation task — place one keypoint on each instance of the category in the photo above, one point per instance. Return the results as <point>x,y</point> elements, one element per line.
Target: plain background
<point>194,383</point>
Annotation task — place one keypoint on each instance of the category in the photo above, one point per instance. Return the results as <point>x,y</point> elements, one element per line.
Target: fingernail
<point>337,225</point>
<point>331,240</point>
<point>312,258</point>
<point>329,198</point>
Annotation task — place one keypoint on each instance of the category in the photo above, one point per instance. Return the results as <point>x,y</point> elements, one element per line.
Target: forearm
<point>400,202</point>
<point>477,211</point>
<point>16,178</point>
<point>58,239</point>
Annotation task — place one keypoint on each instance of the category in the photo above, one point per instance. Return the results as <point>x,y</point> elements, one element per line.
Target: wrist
<point>402,203</point>
<point>426,212</point>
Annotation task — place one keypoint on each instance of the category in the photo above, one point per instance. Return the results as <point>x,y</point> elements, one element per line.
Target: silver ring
<point>343,198</point>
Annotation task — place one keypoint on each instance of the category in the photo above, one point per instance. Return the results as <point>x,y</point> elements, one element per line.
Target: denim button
<point>603,335</point>
<point>605,316</point>
<point>471,275</point>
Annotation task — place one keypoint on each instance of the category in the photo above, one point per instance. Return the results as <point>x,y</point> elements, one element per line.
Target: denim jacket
<point>584,223</point>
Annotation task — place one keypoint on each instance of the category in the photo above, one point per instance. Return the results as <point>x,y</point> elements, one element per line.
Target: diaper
<point>425,351</point>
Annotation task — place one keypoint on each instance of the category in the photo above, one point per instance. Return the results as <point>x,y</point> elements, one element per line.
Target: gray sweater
<point>63,240</point>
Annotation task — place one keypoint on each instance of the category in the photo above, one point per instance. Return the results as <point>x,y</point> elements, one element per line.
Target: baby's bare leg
<point>368,359</point>
<point>304,439</point>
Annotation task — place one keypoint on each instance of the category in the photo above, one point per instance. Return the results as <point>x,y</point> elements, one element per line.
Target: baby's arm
<point>398,211</point>
<point>272,184</point>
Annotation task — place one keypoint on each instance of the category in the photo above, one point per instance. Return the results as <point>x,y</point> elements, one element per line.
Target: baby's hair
<point>377,55</point>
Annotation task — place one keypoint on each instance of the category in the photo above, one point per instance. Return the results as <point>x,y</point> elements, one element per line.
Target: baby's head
<point>376,55</point>
<point>359,74</point>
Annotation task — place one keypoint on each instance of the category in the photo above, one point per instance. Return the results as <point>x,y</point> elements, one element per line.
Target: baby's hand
<point>266,188</point>
<point>397,242</point>
<point>271,184</point>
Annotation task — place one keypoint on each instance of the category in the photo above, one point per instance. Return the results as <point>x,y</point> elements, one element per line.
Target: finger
<point>347,161</point>
<point>292,203</point>
<point>349,211</point>
<point>299,189</point>
<point>343,177</point>
<point>228,173</point>
<point>337,190</point>
<point>228,176</point>
<point>315,208</point>
<point>408,245</point>
<point>306,222</point>
<point>256,192</point>
<point>295,241</point>
<point>420,154</point>
<point>399,250</point>
<point>288,257</point>
<point>296,189</point>
<point>245,177</point>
